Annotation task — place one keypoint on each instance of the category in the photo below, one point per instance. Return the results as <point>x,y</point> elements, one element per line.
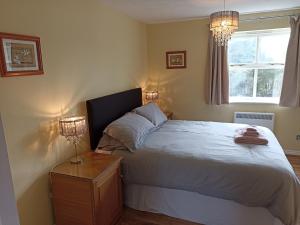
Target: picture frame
<point>20,55</point>
<point>176,59</point>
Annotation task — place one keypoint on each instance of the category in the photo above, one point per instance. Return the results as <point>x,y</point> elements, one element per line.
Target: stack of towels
<point>250,135</point>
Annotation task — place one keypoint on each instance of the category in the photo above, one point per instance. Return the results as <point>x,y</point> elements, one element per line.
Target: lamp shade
<point>72,126</point>
<point>223,24</point>
<point>151,95</point>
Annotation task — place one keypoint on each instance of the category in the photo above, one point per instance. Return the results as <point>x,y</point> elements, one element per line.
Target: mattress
<point>201,157</point>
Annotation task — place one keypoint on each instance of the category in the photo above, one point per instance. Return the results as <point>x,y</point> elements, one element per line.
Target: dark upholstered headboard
<point>102,111</point>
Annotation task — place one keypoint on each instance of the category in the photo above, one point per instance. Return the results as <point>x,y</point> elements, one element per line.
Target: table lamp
<point>73,128</point>
<point>151,95</point>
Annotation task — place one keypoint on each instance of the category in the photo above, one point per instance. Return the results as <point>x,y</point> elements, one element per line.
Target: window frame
<point>256,66</point>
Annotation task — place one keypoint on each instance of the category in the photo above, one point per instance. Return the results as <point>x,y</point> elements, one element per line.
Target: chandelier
<point>223,24</point>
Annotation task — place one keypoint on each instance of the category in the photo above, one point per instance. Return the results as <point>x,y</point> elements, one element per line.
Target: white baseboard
<point>292,152</point>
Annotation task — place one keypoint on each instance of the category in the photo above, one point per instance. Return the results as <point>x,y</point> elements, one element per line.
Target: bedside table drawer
<point>72,199</point>
<point>71,213</point>
<point>72,189</point>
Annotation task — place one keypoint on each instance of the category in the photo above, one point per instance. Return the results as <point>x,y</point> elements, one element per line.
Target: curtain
<point>290,94</point>
<point>217,85</point>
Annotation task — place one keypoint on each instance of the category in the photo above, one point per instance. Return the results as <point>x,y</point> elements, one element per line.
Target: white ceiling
<point>153,11</point>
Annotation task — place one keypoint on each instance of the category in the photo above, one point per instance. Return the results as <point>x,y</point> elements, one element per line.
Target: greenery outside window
<point>256,63</point>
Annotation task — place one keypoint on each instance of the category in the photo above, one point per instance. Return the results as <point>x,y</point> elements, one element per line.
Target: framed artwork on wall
<point>20,55</point>
<point>176,59</point>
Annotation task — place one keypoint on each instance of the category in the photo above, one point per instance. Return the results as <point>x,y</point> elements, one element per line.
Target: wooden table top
<point>93,165</point>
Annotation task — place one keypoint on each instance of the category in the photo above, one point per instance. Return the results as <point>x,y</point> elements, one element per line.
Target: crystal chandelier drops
<point>223,24</point>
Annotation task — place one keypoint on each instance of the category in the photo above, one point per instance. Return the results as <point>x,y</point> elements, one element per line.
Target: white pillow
<point>131,130</point>
<point>152,112</point>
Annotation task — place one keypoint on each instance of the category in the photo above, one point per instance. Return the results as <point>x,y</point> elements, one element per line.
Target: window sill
<point>247,100</point>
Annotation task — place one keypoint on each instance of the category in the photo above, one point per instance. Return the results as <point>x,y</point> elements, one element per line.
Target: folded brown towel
<point>250,135</point>
<point>251,129</point>
<point>260,140</point>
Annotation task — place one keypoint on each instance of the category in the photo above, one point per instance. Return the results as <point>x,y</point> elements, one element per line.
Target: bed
<point>220,183</point>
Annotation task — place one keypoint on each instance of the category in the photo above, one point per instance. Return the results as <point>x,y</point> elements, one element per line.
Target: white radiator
<point>255,118</point>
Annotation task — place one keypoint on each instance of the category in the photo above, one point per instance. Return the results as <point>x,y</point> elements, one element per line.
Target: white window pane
<point>269,82</point>
<point>242,50</point>
<point>272,48</point>
<point>241,82</point>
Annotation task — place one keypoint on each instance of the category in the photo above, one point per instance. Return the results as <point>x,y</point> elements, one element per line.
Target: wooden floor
<point>133,217</point>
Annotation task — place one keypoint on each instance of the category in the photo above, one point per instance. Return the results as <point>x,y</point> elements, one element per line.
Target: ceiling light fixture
<point>223,24</point>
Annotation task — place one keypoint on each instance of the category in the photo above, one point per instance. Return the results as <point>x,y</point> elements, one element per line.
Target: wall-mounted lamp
<point>73,128</point>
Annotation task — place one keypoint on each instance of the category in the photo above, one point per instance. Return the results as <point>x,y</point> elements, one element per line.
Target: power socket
<point>298,137</point>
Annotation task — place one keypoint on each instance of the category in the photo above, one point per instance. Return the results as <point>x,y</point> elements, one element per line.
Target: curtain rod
<point>268,17</point>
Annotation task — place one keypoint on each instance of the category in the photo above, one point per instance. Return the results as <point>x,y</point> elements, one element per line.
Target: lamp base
<point>76,160</point>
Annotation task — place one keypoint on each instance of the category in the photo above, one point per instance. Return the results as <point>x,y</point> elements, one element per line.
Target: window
<point>256,63</point>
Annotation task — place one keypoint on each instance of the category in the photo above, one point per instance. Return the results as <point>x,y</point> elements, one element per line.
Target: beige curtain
<point>290,94</point>
<point>217,85</point>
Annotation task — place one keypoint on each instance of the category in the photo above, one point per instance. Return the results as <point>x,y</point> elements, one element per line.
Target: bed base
<point>195,207</point>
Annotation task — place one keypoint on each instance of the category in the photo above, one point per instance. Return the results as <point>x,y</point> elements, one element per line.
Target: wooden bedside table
<point>169,115</point>
<point>89,193</point>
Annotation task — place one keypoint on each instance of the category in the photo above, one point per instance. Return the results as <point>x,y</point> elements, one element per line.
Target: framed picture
<point>176,59</point>
<point>20,55</point>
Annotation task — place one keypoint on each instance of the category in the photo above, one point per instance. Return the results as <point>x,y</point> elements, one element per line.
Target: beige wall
<point>88,51</point>
<point>182,90</point>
